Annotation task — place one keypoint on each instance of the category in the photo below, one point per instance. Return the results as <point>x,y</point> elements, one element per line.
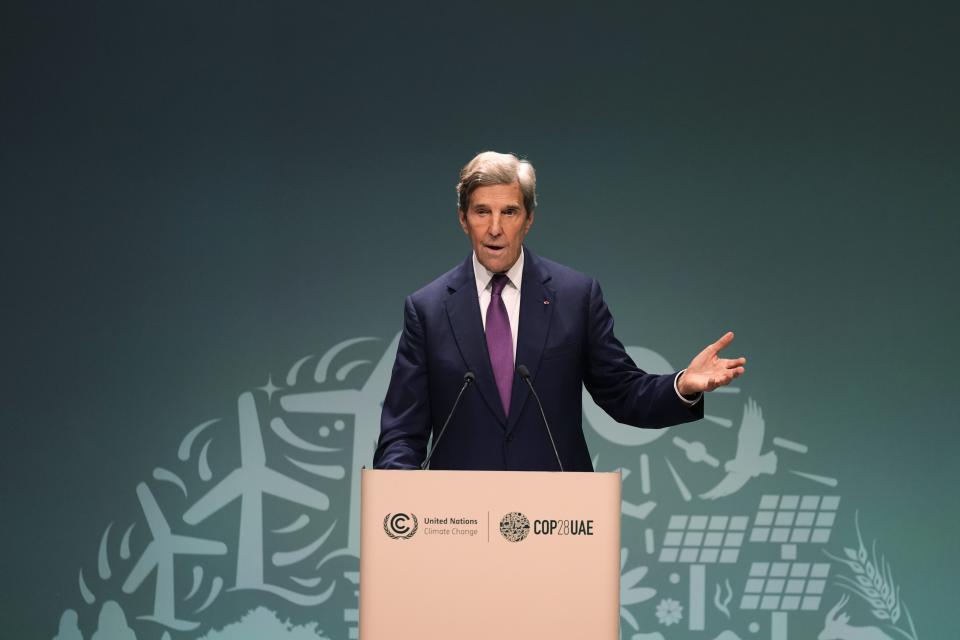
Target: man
<point>505,308</point>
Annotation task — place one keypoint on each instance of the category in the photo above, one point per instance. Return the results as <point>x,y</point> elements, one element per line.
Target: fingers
<point>724,340</point>
<point>724,378</point>
<point>733,363</point>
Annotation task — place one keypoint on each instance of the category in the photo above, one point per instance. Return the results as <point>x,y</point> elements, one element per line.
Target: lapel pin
<point>545,301</point>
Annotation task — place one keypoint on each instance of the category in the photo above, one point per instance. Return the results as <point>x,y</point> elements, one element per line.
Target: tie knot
<point>499,281</point>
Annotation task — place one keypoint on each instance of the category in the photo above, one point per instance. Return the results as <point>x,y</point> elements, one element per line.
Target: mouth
<point>494,249</point>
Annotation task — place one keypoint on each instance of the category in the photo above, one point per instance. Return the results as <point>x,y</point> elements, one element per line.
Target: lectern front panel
<point>489,554</point>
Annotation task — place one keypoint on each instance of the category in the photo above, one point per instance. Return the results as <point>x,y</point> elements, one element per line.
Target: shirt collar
<point>484,276</point>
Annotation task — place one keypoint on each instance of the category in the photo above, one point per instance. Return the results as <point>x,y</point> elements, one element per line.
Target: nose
<point>495,229</point>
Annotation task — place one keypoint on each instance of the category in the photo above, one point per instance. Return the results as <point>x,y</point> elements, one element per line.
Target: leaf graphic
<point>626,615</point>
<point>630,593</point>
<point>636,596</point>
<point>632,577</point>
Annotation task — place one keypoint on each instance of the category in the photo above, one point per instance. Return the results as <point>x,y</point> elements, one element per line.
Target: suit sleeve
<point>405,420</point>
<point>631,396</point>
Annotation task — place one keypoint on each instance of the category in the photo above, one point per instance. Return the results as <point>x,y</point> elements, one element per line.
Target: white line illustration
<point>364,405</point>
<point>824,480</point>
<point>837,626</point>
<point>645,473</point>
<point>696,452</point>
<point>790,445</point>
<point>159,555</point>
<point>726,423</point>
<point>684,492</point>
<point>250,482</point>
<point>748,461</point>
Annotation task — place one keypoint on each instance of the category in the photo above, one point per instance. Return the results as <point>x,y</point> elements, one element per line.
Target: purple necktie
<point>500,341</point>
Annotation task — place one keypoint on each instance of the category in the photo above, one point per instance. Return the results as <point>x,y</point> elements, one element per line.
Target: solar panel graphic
<point>703,539</point>
<point>789,585</point>
<point>795,519</point>
<point>698,541</point>
<point>785,586</point>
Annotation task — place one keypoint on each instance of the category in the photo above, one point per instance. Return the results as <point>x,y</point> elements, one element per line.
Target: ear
<point>528,222</point>
<point>463,221</point>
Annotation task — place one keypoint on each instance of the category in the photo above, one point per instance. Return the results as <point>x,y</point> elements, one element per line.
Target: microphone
<point>525,375</point>
<point>468,379</point>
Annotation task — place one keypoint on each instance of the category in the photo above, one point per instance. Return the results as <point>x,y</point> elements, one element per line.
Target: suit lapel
<point>536,310</point>
<point>463,311</point>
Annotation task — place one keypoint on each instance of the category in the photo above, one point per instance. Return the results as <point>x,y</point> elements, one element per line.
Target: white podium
<point>489,554</point>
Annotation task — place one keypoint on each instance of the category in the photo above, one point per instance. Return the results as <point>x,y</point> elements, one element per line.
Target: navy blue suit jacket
<point>565,339</point>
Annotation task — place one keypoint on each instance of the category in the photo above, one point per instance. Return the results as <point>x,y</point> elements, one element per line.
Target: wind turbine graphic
<point>250,482</point>
<point>159,555</point>
<point>365,404</point>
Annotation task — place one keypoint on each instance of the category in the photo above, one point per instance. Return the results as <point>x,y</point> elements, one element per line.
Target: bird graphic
<point>747,462</point>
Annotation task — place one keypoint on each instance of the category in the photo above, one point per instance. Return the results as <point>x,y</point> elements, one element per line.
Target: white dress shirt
<point>511,300</point>
<point>510,294</point>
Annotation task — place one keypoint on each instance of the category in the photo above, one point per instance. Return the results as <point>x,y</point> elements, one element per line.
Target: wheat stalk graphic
<point>872,581</point>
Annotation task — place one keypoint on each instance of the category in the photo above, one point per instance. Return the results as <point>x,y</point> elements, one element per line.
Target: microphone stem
<point>433,449</point>
<point>545,423</point>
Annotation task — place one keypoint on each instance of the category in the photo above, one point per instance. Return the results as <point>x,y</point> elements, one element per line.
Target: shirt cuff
<point>687,401</point>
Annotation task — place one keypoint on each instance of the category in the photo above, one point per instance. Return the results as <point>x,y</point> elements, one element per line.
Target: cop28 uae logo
<point>398,525</point>
<point>514,526</point>
<point>250,529</point>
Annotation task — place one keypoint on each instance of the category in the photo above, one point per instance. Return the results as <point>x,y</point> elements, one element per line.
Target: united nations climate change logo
<point>514,526</point>
<point>398,527</point>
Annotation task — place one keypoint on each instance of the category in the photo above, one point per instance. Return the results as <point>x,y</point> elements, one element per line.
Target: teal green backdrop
<point>212,214</point>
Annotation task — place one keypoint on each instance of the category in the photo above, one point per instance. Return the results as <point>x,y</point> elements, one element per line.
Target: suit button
<point>510,438</point>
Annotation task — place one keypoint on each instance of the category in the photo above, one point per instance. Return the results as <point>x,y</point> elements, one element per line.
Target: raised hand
<point>708,370</point>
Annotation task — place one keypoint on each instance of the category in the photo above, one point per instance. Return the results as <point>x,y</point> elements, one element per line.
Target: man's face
<point>497,223</point>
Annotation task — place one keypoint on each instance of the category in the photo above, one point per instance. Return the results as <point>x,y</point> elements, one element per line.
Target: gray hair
<point>489,168</point>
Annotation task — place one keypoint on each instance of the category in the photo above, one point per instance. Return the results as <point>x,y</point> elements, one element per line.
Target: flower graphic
<point>669,612</point>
